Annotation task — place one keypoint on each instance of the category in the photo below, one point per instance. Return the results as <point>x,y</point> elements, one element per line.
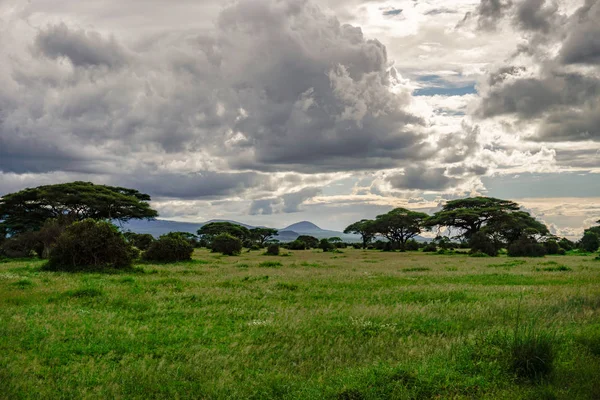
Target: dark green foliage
<point>90,245</point>
<point>526,247</point>
<point>509,227</point>
<point>310,241</point>
<point>297,245</point>
<point>482,243</point>
<point>140,240</point>
<point>325,245</point>
<point>552,247</point>
<point>211,230</point>
<point>192,239</point>
<point>226,244</point>
<point>566,244</point>
<point>400,225</point>
<point>262,235</point>
<point>412,245</point>
<point>273,249</point>
<point>472,214</point>
<point>169,248</point>
<point>589,242</point>
<point>365,228</point>
<point>28,209</point>
<point>51,231</point>
<point>430,248</point>
<point>23,245</point>
<point>270,264</point>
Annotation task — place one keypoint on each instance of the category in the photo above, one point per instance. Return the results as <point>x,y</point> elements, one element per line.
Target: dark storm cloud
<point>490,11</point>
<point>292,201</point>
<point>276,86</point>
<point>563,102</point>
<point>422,178</point>
<point>80,47</point>
<point>582,45</point>
<point>287,203</point>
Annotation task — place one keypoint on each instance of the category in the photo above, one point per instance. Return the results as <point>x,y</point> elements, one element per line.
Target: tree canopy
<point>365,228</point>
<point>470,215</point>
<point>400,225</point>
<point>213,229</point>
<point>261,235</point>
<point>28,209</point>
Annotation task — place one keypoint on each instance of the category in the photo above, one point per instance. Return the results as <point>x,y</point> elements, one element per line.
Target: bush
<point>589,242</point>
<point>24,245</point>
<point>430,248</point>
<point>561,251</point>
<point>326,245</point>
<point>481,243</point>
<point>226,244</point>
<point>526,247</point>
<point>140,240</point>
<point>566,244</point>
<point>169,248</point>
<point>357,246</point>
<point>297,245</point>
<point>273,249</point>
<point>90,245</point>
<point>411,245</point>
<point>551,247</point>
<point>310,241</point>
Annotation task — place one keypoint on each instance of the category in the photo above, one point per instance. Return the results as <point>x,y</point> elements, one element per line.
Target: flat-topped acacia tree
<point>470,215</point>
<point>28,209</point>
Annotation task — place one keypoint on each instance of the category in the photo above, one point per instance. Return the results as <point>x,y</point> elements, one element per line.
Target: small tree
<point>365,228</point>
<point>325,245</point>
<point>589,242</point>
<point>482,243</point>
<point>273,249</point>
<point>140,240</point>
<point>226,244</point>
<point>526,246</point>
<point>90,245</point>
<point>297,245</point>
<point>400,225</point>
<point>263,235</point>
<point>169,248</point>
<point>310,241</point>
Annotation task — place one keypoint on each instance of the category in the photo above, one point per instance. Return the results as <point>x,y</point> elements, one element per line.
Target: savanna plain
<point>305,325</point>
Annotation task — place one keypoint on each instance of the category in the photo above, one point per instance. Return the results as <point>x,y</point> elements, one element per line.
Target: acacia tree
<point>28,209</point>
<point>400,225</point>
<point>510,227</point>
<point>365,228</point>
<point>261,235</point>
<point>472,214</point>
<point>214,229</point>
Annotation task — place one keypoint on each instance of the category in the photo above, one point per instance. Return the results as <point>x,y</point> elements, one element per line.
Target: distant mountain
<point>303,226</point>
<point>162,226</point>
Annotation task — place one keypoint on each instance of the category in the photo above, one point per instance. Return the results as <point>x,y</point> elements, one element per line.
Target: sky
<point>270,112</point>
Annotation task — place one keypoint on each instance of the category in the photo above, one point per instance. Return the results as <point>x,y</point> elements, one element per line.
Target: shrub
<point>24,245</point>
<point>561,251</point>
<point>551,247</point>
<point>311,241</point>
<point>411,245</point>
<point>589,242</point>
<point>357,246</point>
<point>526,247</point>
<point>566,244</point>
<point>480,242</point>
<point>90,245</point>
<point>429,248</point>
<point>226,244</point>
<point>273,249</point>
<point>140,240</point>
<point>297,245</point>
<point>326,245</point>
<point>169,248</point>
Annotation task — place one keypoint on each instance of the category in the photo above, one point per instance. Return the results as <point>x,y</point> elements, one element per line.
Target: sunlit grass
<point>369,325</point>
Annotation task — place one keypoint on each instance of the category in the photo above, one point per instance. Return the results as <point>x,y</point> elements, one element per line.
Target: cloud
<point>561,102</point>
<point>286,203</point>
<point>422,178</point>
<point>82,48</point>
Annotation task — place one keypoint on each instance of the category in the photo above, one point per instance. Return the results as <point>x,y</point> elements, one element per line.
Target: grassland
<point>310,325</point>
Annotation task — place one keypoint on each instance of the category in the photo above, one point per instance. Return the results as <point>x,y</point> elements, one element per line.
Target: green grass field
<point>310,325</point>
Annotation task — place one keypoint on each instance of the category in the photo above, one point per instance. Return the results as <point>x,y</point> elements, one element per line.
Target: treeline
<point>485,225</point>
<point>71,226</point>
